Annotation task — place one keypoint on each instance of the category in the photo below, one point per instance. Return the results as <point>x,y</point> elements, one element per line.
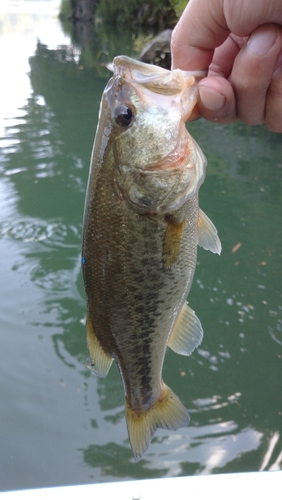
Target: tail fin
<point>167,413</point>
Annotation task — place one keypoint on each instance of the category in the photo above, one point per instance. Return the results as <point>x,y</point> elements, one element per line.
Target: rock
<point>158,50</point>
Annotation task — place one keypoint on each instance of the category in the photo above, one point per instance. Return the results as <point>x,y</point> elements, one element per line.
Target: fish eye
<point>124,115</point>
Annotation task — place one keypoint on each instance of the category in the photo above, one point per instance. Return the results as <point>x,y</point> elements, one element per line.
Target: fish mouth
<point>162,187</point>
<point>168,182</point>
<point>159,80</point>
<point>176,159</point>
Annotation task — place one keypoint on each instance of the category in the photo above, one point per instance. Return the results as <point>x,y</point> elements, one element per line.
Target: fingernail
<point>211,99</point>
<point>261,42</point>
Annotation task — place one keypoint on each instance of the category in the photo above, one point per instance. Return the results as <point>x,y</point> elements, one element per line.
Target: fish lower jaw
<point>175,160</point>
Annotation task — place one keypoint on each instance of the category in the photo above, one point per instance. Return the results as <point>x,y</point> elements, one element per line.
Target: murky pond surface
<point>60,424</point>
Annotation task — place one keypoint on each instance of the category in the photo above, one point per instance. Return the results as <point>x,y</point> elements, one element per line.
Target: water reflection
<point>231,385</point>
<point>94,47</point>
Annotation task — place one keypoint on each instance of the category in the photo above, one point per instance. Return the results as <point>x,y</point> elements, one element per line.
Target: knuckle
<point>175,41</point>
<point>250,83</point>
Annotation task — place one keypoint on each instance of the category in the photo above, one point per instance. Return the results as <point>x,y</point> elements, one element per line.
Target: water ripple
<point>274,335</point>
<point>52,233</point>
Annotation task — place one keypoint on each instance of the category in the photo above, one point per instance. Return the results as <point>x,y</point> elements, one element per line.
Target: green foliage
<point>65,9</point>
<point>178,6</point>
<point>158,14</point>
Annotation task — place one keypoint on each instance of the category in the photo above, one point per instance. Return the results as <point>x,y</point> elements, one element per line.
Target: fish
<point>142,225</point>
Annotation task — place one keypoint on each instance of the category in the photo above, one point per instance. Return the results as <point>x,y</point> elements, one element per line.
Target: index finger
<point>196,35</point>
<point>205,25</point>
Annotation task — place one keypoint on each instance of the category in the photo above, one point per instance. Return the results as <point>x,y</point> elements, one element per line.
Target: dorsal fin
<point>207,234</point>
<point>187,333</point>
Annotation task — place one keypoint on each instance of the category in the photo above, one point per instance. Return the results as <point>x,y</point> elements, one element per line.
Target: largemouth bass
<point>142,225</point>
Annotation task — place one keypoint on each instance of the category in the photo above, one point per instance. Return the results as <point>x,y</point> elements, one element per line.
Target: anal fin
<point>187,333</point>
<point>100,360</point>
<point>207,234</point>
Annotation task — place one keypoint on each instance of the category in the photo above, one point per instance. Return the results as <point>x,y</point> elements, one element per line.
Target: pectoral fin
<point>172,240</point>
<point>187,333</point>
<point>100,360</point>
<point>207,234</point>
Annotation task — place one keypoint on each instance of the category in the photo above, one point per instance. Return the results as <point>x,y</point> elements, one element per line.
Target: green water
<point>59,424</point>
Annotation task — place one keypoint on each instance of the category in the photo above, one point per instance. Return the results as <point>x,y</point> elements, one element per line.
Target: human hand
<point>240,42</point>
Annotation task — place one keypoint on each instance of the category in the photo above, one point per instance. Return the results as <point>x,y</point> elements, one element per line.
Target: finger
<point>253,71</point>
<point>225,55</point>
<point>217,100</point>
<point>273,112</point>
<point>205,25</point>
<point>194,39</point>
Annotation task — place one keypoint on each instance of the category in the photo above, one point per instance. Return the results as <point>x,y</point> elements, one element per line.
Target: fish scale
<point>142,225</point>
